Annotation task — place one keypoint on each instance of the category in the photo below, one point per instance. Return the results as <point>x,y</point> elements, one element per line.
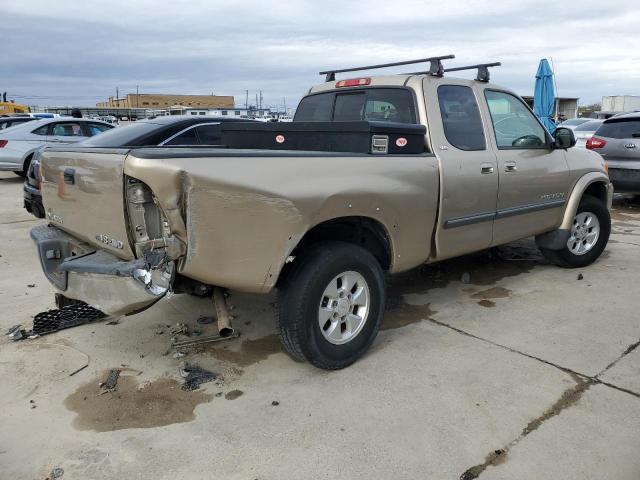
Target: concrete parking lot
<point>523,370</point>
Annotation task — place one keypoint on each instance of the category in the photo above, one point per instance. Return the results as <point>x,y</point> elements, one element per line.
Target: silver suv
<point>618,141</point>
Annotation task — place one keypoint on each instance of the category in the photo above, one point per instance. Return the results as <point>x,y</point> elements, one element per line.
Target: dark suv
<point>168,131</point>
<point>618,141</point>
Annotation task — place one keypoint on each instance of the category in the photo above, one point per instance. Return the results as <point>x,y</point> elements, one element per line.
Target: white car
<point>18,144</point>
<point>573,123</point>
<point>585,131</point>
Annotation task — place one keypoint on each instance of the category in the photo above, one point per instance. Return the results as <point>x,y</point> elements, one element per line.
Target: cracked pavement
<point>524,371</point>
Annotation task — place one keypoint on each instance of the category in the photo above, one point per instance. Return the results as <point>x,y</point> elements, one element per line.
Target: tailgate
<point>82,192</point>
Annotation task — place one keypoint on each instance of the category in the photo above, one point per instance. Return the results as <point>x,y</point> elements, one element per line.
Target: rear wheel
<point>590,232</point>
<point>330,305</point>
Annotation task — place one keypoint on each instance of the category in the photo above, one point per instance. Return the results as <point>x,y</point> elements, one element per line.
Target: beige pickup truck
<point>126,225</point>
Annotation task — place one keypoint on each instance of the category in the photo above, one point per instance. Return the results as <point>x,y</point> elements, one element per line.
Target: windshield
<point>590,126</point>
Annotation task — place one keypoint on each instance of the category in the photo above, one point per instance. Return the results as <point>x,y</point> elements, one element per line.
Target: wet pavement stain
<point>250,352</point>
<point>487,303</point>
<point>483,268</point>
<point>233,394</point>
<point>492,293</point>
<point>399,314</point>
<point>152,404</point>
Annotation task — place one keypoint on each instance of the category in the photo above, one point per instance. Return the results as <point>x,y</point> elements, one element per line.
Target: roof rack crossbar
<point>436,67</point>
<point>483,70</point>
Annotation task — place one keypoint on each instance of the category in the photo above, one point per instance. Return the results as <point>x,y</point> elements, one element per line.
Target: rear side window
<point>186,138</point>
<point>209,134</point>
<point>620,129</point>
<point>461,117</point>
<point>42,130</point>
<point>375,104</point>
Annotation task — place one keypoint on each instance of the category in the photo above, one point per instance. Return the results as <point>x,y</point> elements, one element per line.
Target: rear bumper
<point>625,180</point>
<point>97,277</point>
<point>33,201</point>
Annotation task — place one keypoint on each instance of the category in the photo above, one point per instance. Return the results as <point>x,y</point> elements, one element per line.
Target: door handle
<point>486,170</point>
<point>510,167</point>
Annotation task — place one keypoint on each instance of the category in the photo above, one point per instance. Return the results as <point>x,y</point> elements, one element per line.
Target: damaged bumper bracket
<point>98,277</point>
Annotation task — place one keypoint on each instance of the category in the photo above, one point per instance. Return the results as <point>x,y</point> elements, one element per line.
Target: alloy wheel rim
<point>344,307</point>
<point>585,232</point>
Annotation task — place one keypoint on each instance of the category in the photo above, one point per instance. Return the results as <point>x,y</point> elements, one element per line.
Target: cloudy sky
<point>67,52</point>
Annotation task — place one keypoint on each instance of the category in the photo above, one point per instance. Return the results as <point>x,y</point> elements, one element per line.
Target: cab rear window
<point>374,104</point>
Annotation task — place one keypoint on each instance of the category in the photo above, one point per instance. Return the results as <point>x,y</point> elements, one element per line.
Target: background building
<point>620,103</point>
<point>157,101</point>
<point>566,107</point>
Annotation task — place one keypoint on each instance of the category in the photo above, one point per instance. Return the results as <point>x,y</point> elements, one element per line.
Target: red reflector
<point>595,142</point>
<point>3,143</point>
<point>353,82</point>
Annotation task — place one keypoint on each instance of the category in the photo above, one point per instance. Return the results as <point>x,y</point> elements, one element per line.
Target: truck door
<point>534,177</point>
<point>468,167</point>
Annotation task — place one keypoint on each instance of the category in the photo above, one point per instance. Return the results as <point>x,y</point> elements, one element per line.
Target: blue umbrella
<point>544,100</point>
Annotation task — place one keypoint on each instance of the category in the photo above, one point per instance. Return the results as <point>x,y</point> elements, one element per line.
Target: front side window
<point>67,129</point>
<point>461,117</point>
<point>513,123</point>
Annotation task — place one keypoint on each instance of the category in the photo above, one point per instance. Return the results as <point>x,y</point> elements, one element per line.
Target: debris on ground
<point>466,278</point>
<point>275,403</point>
<point>580,276</point>
<point>194,376</point>
<point>201,340</point>
<point>55,474</point>
<point>179,329</point>
<point>109,385</point>
<point>78,370</point>
<point>205,320</point>
<point>114,322</point>
<point>31,285</point>
<point>65,317</point>
<point>15,333</point>
<point>179,355</point>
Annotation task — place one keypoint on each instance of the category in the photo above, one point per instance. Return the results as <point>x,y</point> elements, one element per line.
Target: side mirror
<point>563,138</point>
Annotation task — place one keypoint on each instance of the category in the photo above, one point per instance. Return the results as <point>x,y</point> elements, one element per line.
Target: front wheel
<point>330,305</point>
<point>589,235</point>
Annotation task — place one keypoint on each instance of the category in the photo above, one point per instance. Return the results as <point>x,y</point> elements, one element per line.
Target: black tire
<point>565,257</point>
<point>300,294</point>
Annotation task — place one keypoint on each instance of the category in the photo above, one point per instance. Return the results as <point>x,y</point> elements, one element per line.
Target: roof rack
<point>435,69</point>
<point>483,70</point>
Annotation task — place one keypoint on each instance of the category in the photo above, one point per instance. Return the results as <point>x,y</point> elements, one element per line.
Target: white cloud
<point>80,51</point>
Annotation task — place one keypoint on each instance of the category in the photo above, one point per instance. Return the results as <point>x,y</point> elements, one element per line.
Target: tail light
<point>3,143</point>
<point>595,142</point>
<point>353,82</point>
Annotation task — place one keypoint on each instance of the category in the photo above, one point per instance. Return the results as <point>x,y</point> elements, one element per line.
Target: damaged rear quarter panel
<point>241,215</point>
